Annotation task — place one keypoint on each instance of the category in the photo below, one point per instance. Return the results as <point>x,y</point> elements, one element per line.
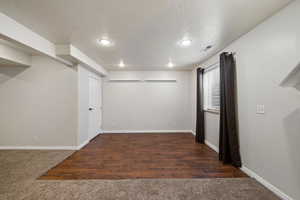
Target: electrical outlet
<point>260,109</point>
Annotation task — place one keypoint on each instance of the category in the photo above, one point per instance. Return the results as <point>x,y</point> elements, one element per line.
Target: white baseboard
<point>265,183</point>
<point>38,147</point>
<point>149,131</point>
<point>45,147</point>
<point>82,144</point>
<point>215,148</point>
<point>100,131</point>
<point>252,174</point>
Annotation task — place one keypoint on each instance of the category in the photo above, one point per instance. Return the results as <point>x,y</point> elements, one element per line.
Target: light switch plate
<point>260,109</point>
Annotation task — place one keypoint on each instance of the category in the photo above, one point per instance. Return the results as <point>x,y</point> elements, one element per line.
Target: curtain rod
<point>211,66</point>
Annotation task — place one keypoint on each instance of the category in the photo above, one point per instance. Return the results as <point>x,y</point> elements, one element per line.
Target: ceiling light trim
<point>186,42</point>
<point>121,64</point>
<point>105,42</point>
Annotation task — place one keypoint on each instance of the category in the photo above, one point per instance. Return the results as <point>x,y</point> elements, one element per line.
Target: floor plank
<point>131,156</point>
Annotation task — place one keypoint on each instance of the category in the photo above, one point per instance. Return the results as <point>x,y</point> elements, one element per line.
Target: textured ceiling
<point>145,32</point>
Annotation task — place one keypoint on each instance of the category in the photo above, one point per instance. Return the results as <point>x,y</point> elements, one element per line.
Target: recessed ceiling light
<point>121,64</point>
<point>104,42</point>
<point>170,65</point>
<point>185,42</point>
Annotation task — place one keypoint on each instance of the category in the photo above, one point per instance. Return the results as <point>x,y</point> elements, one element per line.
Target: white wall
<point>212,121</point>
<point>141,106</point>
<point>38,104</point>
<point>269,143</point>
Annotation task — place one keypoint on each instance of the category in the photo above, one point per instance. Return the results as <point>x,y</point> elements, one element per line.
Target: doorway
<point>95,106</point>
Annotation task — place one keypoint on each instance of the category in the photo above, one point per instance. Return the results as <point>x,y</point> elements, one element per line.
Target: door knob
<point>91,109</point>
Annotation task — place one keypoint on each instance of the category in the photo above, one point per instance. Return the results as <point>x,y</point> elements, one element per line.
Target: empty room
<point>157,99</point>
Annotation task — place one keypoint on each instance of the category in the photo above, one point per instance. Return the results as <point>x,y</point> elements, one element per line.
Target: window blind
<point>211,87</point>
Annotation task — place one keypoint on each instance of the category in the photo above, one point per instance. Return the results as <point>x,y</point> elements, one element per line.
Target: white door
<point>95,105</point>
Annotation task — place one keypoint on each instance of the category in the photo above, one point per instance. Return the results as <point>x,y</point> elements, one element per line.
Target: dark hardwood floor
<point>130,156</point>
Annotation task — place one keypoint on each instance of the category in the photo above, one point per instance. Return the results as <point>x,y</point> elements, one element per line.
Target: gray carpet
<point>19,170</point>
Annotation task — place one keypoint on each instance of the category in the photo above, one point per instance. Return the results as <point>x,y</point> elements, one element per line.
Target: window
<point>211,87</point>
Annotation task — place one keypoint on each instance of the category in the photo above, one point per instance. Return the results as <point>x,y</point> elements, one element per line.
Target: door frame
<point>99,126</point>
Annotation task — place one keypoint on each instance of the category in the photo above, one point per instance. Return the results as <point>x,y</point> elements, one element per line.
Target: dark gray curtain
<point>200,112</point>
<point>229,151</point>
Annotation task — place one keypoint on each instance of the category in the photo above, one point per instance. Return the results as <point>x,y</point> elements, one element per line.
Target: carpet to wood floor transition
<point>19,171</point>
